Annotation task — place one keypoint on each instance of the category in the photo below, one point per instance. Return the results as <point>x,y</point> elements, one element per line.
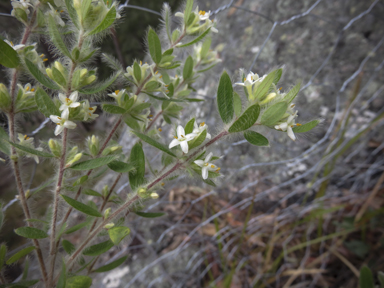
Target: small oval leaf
<point>81,207</point>
<point>20,254</point>
<point>274,113</point>
<point>111,265</point>
<point>306,127</point>
<point>150,214</point>
<point>93,163</point>
<point>256,138</point>
<point>225,98</point>
<point>31,233</point>
<point>154,143</point>
<point>96,250</point>
<point>246,120</point>
<point>116,234</point>
<point>154,46</point>
<point>8,56</point>
<point>121,167</point>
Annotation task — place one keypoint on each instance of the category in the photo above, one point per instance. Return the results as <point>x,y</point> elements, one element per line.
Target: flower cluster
<point>251,82</point>
<point>194,24</point>
<point>26,141</point>
<point>182,138</point>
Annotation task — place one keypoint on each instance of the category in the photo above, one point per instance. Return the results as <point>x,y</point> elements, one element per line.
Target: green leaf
<point>292,93</point>
<point>4,146</point>
<point>79,282</point>
<point>189,127</point>
<point>137,157</point>
<point>205,47</point>
<point>84,7</point>
<point>76,227</point>
<point>225,98</point>
<point>101,86</point>
<point>107,21</point>
<point>45,103</point>
<point>154,46</point>
<point>209,182</point>
<point>72,13</point>
<point>32,151</point>
<point>121,167</point>
<point>93,163</point>
<point>306,127</point>
<point>246,120</point>
<point>132,123</point>
<point>188,68</point>
<point>154,143</point>
<point>278,74</point>
<point>264,86</point>
<point>274,113</point>
<point>3,252</point>
<point>111,265</point>
<point>81,207</point>
<point>237,104</point>
<point>59,78</point>
<point>256,138</point>
<point>56,37</point>
<point>366,278</point>
<point>187,11</point>
<point>26,269</point>
<point>8,56</point>
<point>96,250</point>
<point>198,140</point>
<point>21,284</point>
<point>35,71</point>
<point>20,254</point>
<point>31,233</point>
<point>92,192</point>
<point>61,283</point>
<point>116,234</point>
<point>113,109</point>
<point>197,39</point>
<point>137,71</point>
<point>68,246</point>
<point>150,214</point>
<point>80,180</point>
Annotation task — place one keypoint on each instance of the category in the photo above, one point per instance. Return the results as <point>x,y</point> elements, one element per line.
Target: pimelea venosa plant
<point>63,92</point>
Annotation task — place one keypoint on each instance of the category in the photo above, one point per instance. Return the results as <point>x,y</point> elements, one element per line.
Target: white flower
<point>69,102</point>
<point>26,141</point>
<point>251,82</point>
<point>62,122</point>
<point>27,90</point>
<point>182,139</point>
<point>21,4</point>
<point>15,47</point>
<point>206,166</point>
<point>288,125</point>
<point>56,15</point>
<point>88,111</point>
<point>117,95</point>
<point>200,128</point>
<point>204,16</point>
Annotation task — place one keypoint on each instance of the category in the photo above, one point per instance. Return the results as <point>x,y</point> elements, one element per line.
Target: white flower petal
<point>208,136</point>
<point>69,124</point>
<point>174,143</point>
<point>190,136</point>
<point>58,129</point>
<point>290,133</point>
<point>184,146</point>
<point>62,98</point>
<point>55,118</point>
<point>199,163</point>
<point>73,105</point>
<point>65,114</point>
<point>74,96</point>
<point>209,156</point>
<point>180,131</point>
<point>204,172</point>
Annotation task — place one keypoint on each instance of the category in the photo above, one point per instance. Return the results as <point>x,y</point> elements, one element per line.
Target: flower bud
<point>142,192</point>
<point>72,153</point>
<point>105,191</point>
<point>14,158</point>
<point>93,145</point>
<point>269,98</point>
<point>55,147</point>
<point>106,213</point>
<point>75,158</point>
<point>49,73</point>
<point>27,194</point>
<point>83,73</point>
<point>109,225</point>
<point>60,67</point>
<point>89,80</point>
<point>154,195</point>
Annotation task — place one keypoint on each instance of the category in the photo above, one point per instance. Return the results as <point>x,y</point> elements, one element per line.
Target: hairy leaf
<point>81,207</point>
<point>68,246</point>
<point>154,46</point>
<point>96,250</point>
<point>56,37</point>
<point>121,167</point>
<point>101,86</point>
<point>20,254</point>
<point>237,104</point>
<point>264,86</point>
<point>188,68</point>
<point>93,163</point>
<point>4,139</point>
<point>31,233</point>
<point>136,178</point>
<point>256,138</point>
<point>292,93</point>
<point>154,143</point>
<point>274,113</point>
<point>113,109</point>
<point>111,265</point>
<point>246,120</point>
<point>79,282</point>
<point>197,39</point>
<point>35,71</point>
<point>8,56</point>
<point>190,125</point>
<point>45,103</point>
<point>118,233</point>
<point>306,127</point>
<point>225,98</point>
<point>107,21</point>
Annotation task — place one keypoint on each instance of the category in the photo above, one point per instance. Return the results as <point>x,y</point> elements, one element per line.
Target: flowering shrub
<point>63,92</point>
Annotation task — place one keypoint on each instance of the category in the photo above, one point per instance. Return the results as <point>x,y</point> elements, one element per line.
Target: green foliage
<point>8,56</point>
<point>62,282</point>
<point>196,40</point>
<point>107,21</point>
<point>79,282</point>
<point>45,103</point>
<point>113,109</point>
<point>76,227</point>
<point>256,138</point>
<point>39,76</point>
<point>80,180</point>
<point>225,98</point>
<point>292,93</point>
<point>198,140</point>
<point>264,86</point>
<point>21,284</point>
<point>93,163</point>
<point>68,246</point>
<point>118,233</point>
<point>31,150</point>
<point>154,143</point>
<point>72,12</point>
<point>187,11</point>
<point>190,125</point>
<point>56,37</point>
<point>20,254</point>
<point>121,167</point>
<point>3,252</point>
<point>137,157</point>
<point>188,68</point>
<point>366,278</point>
<point>150,214</point>
<point>306,127</point>
<point>111,265</point>
<point>4,145</point>
<point>246,120</point>
<point>96,250</point>
<point>274,113</point>
<point>81,207</point>
<point>278,74</point>
<point>154,46</point>
<point>101,86</point>
<point>31,233</point>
